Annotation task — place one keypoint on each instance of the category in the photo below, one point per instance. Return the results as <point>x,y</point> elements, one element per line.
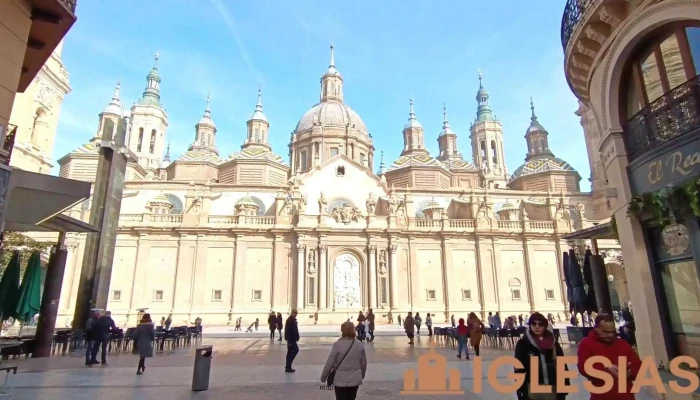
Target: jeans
<point>430,330</point>
<point>292,351</point>
<point>280,331</point>
<point>417,329</point>
<point>346,393</point>
<point>89,344</point>
<point>104,342</point>
<point>272,333</point>
<point>462,346</point>
<point>371,335</point>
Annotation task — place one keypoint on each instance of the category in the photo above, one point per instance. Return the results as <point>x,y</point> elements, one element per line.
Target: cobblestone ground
<point>242,368</point>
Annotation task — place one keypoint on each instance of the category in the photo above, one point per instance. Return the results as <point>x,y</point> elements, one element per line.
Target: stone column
<point>528,273</point>
<point>394,261</point>
<point>372,276</point>
<point>322,275</point>
<point>300,276</point>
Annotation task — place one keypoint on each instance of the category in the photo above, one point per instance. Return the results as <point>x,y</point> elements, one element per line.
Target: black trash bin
<point>202,368</point>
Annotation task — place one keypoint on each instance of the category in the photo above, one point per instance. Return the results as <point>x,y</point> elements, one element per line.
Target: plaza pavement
<point>246,368</point>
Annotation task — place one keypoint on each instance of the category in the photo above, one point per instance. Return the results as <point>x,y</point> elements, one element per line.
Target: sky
<point>387,52</point>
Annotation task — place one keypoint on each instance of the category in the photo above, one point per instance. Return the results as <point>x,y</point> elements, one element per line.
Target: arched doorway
<point>346,282</point>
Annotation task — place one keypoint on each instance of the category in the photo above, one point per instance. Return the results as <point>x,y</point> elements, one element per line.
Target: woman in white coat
<point>349,360</point>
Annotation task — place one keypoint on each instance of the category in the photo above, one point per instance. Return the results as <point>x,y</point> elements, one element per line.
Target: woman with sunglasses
<point>540,343</point>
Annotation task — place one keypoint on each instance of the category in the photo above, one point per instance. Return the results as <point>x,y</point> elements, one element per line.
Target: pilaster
<point>322,275</point>
<point>138,287</point>
<point>447,274</point>
<point>527,262</point>
<point>184,273</point>
<point>301,277</point>
<point>372,252</point>
<point>394,273</point>
<point>200,267</point>
<point>239,266</point>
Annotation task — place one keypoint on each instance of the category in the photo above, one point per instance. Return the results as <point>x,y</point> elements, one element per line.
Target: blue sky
<point>387,52</point>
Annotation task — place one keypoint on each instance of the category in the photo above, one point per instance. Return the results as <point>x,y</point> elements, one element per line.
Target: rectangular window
<point>334,151</point>
<point>431,295</point>
<point>673,62</point>
<point>549,294</point>
<point>515,293</point>
<point>682,290</point>
<point>651,77</point>
<point>257,295</point>
<point>312,292</point>
<point>382,291</point>
<point>216,295</point>
<point>466,294</point>
<point>302,160</point>
<point>693,35</point>
<point>116,295</point>
<point>157,295</point>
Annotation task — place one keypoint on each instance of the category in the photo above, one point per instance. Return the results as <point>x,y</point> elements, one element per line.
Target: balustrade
<point>127,218</point>
<point>462,223</point>
<point>166,218</point>
<point>510,225</point>
<point>541,225</point>
<point>223,219</point>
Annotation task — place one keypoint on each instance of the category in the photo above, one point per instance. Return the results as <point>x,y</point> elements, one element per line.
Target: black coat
<point>291,330</point>
<point>524,349</point>
<point>105,326</point>
<point>279,322</point>
<point>91,329</point>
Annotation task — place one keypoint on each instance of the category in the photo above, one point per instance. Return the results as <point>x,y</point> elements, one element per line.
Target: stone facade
<point>223,237</point>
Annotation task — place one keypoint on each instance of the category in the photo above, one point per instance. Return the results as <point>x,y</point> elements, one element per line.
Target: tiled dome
<point>331,114</point>
<point>539,165</point>
<point>160,201</point>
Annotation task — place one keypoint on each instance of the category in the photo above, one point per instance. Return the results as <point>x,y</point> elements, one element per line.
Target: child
<point>462,335</point>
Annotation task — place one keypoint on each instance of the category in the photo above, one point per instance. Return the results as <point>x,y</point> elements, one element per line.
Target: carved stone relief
<point>346,214</point>
<point>371,204</point>
<point>312,261</point>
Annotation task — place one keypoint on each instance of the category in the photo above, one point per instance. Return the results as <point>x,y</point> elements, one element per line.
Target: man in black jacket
<point>104,328</point>
<point>91,337</point>
<point>291,335</point>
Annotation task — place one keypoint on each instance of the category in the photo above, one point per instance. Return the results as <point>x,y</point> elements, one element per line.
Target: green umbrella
<point>9,288</point>
<point>30,290</point>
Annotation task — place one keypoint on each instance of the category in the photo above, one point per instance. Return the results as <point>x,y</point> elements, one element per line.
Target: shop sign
<point>671,167</point>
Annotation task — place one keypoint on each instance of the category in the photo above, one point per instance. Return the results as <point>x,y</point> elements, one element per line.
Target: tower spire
<point>151,96</point>
<point>483,112</point>
<point>167,153</point>
<point>332,64</point>
<point>115,106</point>
<point>258,107</point>
<point>532,107</point>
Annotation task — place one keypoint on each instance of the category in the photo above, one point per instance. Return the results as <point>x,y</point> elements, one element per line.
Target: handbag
<point>331,375</point>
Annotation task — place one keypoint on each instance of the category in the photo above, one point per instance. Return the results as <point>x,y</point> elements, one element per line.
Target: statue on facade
<point>322,203</point>
<point>346,214</point>
<point>393,204</point>
<point>382,262</point>
<point>580,210</point>
<point>371,204</point>
<point>312,261</point>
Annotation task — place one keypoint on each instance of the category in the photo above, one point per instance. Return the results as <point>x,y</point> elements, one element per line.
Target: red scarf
<point>545,343</point>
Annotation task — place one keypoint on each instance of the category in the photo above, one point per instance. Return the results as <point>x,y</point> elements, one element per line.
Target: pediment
<point>340,179</point>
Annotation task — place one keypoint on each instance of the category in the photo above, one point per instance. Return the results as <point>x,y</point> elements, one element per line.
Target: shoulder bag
<point>331,375</point>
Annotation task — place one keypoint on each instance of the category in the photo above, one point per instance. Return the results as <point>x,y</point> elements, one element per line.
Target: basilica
<point>333,229</point>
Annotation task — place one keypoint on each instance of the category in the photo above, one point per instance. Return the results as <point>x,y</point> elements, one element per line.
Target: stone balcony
<point>588,27</point>
<point>418,225</point>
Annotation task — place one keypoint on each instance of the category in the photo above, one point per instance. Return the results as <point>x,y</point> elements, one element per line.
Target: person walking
<point>143,340</point>
<point>429,324</point>
<point>603,342</point>
<point>452,320</point>
<point>497,320</point>
<point>315,317</point>
<point>419,321</point>
<point>91,337</point>
<point>349,361</point>
<point>370,326</point>
<point>257,322</point>
<point>540,343</point>
<point>399,318</point>
<point>162,322</point>
<point>272,323</point>
<point>291,335</point>
<point>475,328</point>
<point>105,329</point>
<point>279,321</point>
<point>390,317</point>
<point>409,325</point>
<point>361,326</point>
<point>462,336</point>
<point>490,320</point>
<point>520,320</point>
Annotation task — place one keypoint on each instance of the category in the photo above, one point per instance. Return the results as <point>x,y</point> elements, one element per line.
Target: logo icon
<point>431,376</point>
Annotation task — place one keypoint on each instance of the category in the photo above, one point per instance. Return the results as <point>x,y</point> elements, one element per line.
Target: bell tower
<point>487,142</point>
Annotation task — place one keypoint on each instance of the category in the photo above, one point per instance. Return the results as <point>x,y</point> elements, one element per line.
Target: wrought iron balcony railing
<point>70,4</point>
<point>573,13</point>
<point>668,117</point>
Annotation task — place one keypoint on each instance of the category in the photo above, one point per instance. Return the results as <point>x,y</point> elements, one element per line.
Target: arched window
<point>257,136</point>
<point>484,156</point>
<point>494,153</point>
<point>664,60</point>
<point>39,128</point>
<point>153,141</point>
<point>140,143</point>
<point>176,202</point>
<point>332,88</point>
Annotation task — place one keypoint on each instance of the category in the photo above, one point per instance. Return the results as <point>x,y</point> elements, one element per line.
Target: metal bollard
<point>202,368</point>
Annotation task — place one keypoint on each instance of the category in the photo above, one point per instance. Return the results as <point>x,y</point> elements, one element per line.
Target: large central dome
<point>332,114</point>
